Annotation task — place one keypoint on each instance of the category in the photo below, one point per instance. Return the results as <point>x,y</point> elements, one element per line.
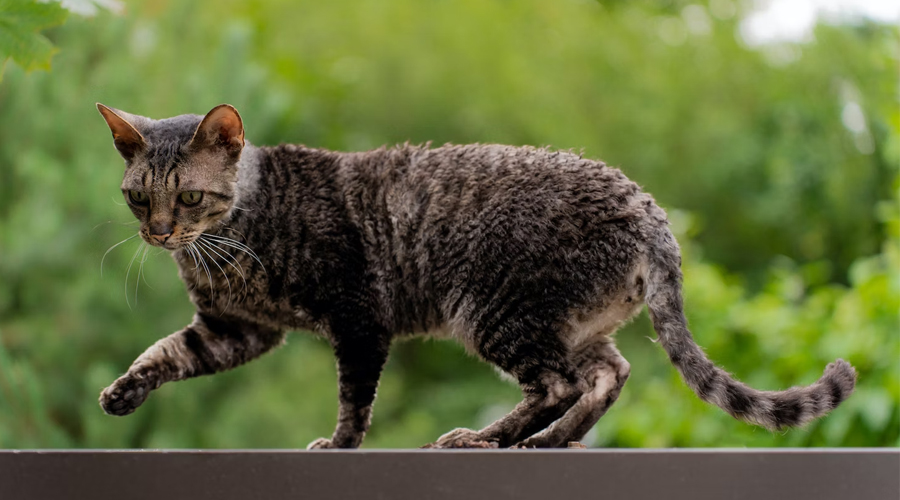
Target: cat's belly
<point>454,329</point>
<point>612,311</point>
<point>597,324</point>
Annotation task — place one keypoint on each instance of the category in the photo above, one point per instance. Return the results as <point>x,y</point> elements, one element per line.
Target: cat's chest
<point>235,285</point>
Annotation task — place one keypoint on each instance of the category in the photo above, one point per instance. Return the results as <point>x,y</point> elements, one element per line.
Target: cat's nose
<point>161,237</point>
<point>160,231</point>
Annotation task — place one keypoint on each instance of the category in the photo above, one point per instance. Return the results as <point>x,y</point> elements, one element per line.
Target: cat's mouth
<point>173,243</point>
<point>181,243</point>
<point>174,246</point>
<point>168,245</point>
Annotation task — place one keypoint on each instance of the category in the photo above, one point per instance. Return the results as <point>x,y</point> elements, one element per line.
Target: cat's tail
<point>771,409</point>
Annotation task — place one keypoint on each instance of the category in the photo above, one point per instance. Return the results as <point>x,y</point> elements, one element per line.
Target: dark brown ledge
<point>820,474</point>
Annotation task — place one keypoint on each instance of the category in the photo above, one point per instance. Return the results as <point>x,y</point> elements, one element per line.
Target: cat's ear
<point>221,128</point>
<point>126,137</point>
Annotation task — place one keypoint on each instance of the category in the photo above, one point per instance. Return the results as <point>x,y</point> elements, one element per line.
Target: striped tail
<point>774,410</point>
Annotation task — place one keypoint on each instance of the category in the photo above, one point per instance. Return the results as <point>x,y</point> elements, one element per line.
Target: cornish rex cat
<point>529,258</point>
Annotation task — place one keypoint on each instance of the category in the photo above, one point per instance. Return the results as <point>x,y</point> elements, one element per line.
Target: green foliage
<point>788,217</point>
<point>21,22</point>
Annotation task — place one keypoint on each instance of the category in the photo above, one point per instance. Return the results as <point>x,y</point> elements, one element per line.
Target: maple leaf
<point>21,22</point>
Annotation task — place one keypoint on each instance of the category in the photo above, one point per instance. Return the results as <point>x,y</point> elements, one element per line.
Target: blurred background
<point>769,131</point>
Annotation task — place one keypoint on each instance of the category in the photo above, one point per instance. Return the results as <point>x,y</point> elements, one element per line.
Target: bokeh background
<point>777,160</point>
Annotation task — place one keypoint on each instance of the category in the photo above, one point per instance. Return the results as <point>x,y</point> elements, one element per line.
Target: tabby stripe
<point>195,343</point>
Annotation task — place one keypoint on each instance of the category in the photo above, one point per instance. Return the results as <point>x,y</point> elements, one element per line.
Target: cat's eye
<point>191,197</point>
<point>138,197</point>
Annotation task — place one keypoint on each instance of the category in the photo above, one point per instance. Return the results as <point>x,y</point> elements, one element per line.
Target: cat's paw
<point>124,395</point>
<point>462,438</point>
<point>321,444</point>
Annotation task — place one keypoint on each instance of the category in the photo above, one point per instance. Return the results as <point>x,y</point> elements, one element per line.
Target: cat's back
<point>499,183</point>
<point>417,195</point>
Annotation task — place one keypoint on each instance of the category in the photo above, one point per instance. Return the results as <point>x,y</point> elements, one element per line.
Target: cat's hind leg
<point>524,348</point>
<point>606,371</point>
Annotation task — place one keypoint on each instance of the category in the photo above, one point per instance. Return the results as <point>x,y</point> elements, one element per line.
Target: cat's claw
<point>124,395</point>
<point>321,444</point>
<point>462,438</point>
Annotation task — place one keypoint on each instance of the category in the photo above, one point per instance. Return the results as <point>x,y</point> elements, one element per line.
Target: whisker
<point>190,250</point>
<point>137,280</point>
<point>234,244</point>
<point>238,267</point>
<point>227,281</point>
<point>147,257</point>
<point>120,223</point>
<point>243,236</point>
<point>220,251</point>
<point>110,250</point>
<point>225,238</point>
<point>200,263</point>
<point>212,289</point>
<point>98,225</point>
<point>128,273</point>
<point>233,230</point>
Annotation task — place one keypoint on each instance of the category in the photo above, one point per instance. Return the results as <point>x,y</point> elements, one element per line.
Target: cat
<point>530,258</point>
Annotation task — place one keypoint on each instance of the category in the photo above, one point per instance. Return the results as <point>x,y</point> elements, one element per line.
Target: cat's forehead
<point>180,127</point>
<point>165,138</point>
<point>165,141</point>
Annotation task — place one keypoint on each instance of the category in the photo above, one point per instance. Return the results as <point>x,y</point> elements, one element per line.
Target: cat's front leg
<point>361,348</point>
<point>208,345</point>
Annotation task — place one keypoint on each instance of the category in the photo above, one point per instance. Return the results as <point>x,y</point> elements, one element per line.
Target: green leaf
<point>20,39</point>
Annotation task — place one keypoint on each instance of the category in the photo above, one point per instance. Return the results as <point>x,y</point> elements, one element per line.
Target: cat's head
<point>180,173</point>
